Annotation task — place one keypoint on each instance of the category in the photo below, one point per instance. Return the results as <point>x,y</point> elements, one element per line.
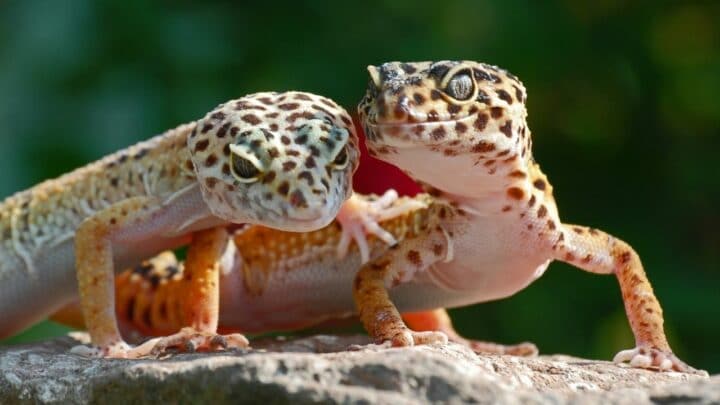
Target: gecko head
<point>282,160</point>
<point>444,109</point>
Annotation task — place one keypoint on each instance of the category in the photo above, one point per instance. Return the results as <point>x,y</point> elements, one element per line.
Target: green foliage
<point>622,100</point>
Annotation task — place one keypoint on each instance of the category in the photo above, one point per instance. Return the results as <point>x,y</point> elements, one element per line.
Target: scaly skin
<point>276,280</point>
<point>460,129</point>
<point>284,160</point>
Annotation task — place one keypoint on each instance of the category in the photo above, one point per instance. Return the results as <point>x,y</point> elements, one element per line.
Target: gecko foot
<point>650,357</point>
<point>359,216</point>
<point>409,337</point>
<point>191,340</point>
<point>120,350</point>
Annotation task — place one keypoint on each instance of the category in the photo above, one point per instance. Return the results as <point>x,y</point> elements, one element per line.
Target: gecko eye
<point>341,160</point>
<point>461,86</point>
<point>243,169</point>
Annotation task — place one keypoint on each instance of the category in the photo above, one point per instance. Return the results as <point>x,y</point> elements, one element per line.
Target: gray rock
<point>322,369</point>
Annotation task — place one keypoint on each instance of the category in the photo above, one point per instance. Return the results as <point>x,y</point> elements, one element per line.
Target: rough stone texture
<point>321,369</point>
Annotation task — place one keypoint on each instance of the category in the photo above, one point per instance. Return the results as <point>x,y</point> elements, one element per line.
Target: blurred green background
<point>623,104</point>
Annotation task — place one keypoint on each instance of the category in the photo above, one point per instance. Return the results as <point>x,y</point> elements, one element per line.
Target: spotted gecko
<point>459,128</point>
<point>284,160</point>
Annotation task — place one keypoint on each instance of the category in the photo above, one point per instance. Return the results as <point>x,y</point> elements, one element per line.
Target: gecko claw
<point>653,358</point>
<point>359,217</point>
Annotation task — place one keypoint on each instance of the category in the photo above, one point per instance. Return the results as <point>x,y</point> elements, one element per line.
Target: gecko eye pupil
<point>461,86</point>
<point>243,169</point>
<point>341,159</point>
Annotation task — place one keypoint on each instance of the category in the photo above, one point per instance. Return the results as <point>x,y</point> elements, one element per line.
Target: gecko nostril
<point>298,200</point>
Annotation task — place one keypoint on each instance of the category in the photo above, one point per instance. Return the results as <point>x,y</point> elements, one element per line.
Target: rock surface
<point>321,369</point>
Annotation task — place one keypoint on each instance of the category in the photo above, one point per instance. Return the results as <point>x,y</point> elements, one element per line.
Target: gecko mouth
<point>374,124</point>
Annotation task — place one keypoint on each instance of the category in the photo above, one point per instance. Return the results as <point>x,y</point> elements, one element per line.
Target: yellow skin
<point>459,128</point>
<point>284,160</point>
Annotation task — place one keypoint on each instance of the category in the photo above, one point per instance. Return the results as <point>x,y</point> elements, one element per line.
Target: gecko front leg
<point>377,312</point>
<point>198,296</point>
<point>359,216</point>
<point>598,252</point>
<point>95,272</point>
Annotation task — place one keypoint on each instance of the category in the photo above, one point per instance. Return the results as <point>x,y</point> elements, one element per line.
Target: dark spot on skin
<point>460,128</point>
<point>211,160</point>
<point>314,150</point>
<point>516,193</point>
<point>226,150</point>
<point>506,208</point>
<point>588,258</point>
<point>518,94</point>
<point>435,94</point>
<point>539,184</point>
<point>307,176</point>
<point>310,162</point>
<point>419,99</point>
<point>551,224</point>
<point>222,131</point>
<point>517,174</point>
<point>433,115</point>
<point>483,146</point>
<point>141,154</point>
<point>593,232</point>
<point>269,177</point>
<point>210,182</point>
<point>438,133</point>
<point>577,230</point>
<point>481,122</point>
<point>273,152</point>
<point>454,109</point>
<point>413,257</point>
<point>302,139</point>
<point>569,257</point>
<point>201,145</point>
<point>285,140</point>
<point>287,166</point>
<point>625,257</point>
<point>505,96</point>
<point>251,119</point>
<point>114,181</point>
<point>234,131</point>
<point>206,128</point>
<point>301,96</point>
<point>542,211</point>
<point>255,144</point>
<point>219,115</point>
<point>408,68</point>
<point>506,128</point>
<point>226,169</point>
<point>496,112</point>
<point>325,184</point>
<point>274,127</point>
<point>437,249</point>
<point>288,106</point>
<point>284,188</point>
<point>292,152</point>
